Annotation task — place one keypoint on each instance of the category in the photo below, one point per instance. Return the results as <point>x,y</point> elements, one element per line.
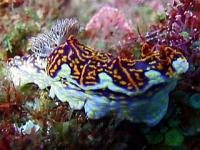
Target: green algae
<point>174,137</point>
<point>154,138</point>
<point>185,34</point>
<point>17,39</point>
<point>194,101</point>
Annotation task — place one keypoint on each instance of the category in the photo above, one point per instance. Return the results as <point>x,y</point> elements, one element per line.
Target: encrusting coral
<point>114,29</point>
<point>133,89</point>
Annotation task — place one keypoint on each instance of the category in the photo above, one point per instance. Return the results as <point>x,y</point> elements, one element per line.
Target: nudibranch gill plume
<point>132,89</point>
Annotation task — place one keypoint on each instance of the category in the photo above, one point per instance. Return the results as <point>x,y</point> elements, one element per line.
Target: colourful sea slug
<point>133,89</point>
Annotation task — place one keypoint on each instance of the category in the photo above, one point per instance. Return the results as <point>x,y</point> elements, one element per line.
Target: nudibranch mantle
<point>132,89</point>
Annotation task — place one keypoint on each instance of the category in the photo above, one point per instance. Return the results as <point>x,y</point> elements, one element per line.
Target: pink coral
<point>123,3</point>
<point>109,27</point>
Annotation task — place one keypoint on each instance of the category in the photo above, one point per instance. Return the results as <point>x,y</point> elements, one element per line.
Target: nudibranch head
<point>28,69</point>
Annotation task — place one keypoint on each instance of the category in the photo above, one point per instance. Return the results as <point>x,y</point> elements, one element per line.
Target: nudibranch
<point>133,89</point>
